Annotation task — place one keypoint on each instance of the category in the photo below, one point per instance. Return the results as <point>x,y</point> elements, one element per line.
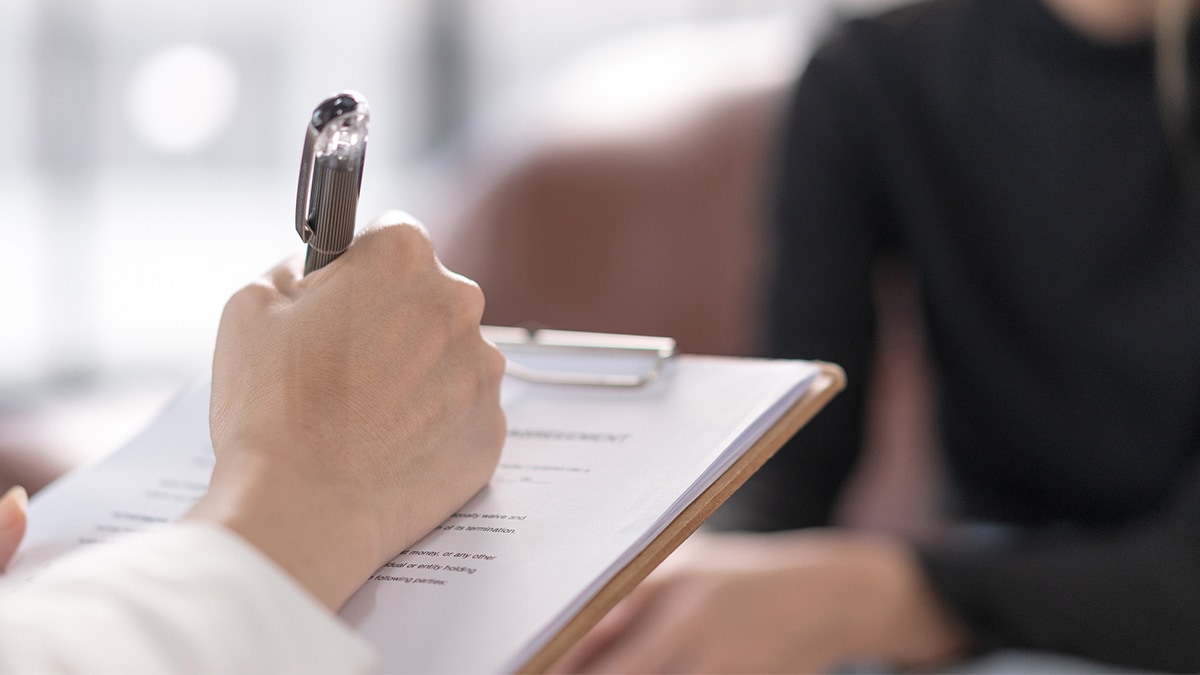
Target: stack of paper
<point>588,478</point>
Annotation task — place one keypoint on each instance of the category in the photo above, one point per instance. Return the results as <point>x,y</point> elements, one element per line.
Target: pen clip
<point>345,111</point>
<point>304,190</point>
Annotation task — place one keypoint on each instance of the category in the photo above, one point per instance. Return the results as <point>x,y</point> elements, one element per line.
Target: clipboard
<point>828,383</point>
<point>655,351</point>
<point>175,446</point>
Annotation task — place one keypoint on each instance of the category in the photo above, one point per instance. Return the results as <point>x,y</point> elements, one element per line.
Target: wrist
<point>910,626</point>
<point>321,537</point>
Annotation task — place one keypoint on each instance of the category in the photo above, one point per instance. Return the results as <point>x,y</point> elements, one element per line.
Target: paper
<point>588,477</point>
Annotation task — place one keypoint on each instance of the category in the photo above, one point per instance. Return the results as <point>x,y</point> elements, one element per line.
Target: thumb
<point>13,506</point>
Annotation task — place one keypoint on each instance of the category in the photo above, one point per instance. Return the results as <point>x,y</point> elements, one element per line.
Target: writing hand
<point>353,409</point>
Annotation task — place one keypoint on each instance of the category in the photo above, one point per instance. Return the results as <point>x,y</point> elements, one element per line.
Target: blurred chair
<point>637,205</point>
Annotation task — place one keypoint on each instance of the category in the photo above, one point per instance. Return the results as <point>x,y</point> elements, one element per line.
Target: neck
<point>1109,21</point>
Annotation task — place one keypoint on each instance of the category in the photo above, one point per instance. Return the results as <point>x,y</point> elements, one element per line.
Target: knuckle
<point>494,365</point>
<point>409,239</point>
<point>251,298</point>
<point>462,301</point>
<point>395,218</point>
<point>404,245</point>
<point>470,299</point>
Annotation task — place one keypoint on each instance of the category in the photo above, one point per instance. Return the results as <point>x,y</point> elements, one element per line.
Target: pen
<point>330,177</point>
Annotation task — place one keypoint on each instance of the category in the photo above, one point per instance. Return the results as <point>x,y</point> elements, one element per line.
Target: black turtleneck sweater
<point>1022,170</point>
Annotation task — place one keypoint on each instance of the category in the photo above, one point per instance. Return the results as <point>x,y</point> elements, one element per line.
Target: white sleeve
<point>191,597</point>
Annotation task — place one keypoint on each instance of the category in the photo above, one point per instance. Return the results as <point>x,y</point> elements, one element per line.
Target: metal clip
<point>581,359</point>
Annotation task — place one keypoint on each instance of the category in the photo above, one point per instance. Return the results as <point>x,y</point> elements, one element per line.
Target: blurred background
<point>152,148</point>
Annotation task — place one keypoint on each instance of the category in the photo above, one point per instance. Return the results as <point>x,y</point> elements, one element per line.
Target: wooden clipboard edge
<point>826,385</point>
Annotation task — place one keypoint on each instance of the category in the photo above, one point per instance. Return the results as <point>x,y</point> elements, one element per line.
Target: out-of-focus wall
<point>151,148</point>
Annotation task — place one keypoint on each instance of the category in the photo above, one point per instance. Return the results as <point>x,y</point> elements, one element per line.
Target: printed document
<point>588,477</point>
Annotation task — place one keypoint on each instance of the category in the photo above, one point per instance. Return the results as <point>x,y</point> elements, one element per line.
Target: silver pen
<point>330,177</point>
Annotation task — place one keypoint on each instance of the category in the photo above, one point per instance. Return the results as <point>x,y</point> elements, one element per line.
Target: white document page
<point>588,477</point>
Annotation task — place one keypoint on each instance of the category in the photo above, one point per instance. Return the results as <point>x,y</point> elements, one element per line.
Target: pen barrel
<point>336,193</point>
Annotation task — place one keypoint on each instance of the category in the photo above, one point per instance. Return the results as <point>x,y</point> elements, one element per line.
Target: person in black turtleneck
<point>1019,155</point>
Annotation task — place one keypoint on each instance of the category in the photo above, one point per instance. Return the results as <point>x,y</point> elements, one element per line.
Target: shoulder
<point>894,72</point>
<point>913,40</point>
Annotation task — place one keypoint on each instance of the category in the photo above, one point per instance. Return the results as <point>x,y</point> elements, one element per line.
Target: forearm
<point>1130,597</point>
<point>189,597</point>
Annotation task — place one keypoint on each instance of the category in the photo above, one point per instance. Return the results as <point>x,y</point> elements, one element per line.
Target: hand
<point>804,602</point>
<point>353,409</point>
<point>13,506</point>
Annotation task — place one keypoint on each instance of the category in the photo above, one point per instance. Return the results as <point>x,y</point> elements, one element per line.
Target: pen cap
<point>341,125</point>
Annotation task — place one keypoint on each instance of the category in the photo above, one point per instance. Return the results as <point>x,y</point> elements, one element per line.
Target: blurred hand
<point>353,409</point>
<point>797,602</point>
<point>13,506</point>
